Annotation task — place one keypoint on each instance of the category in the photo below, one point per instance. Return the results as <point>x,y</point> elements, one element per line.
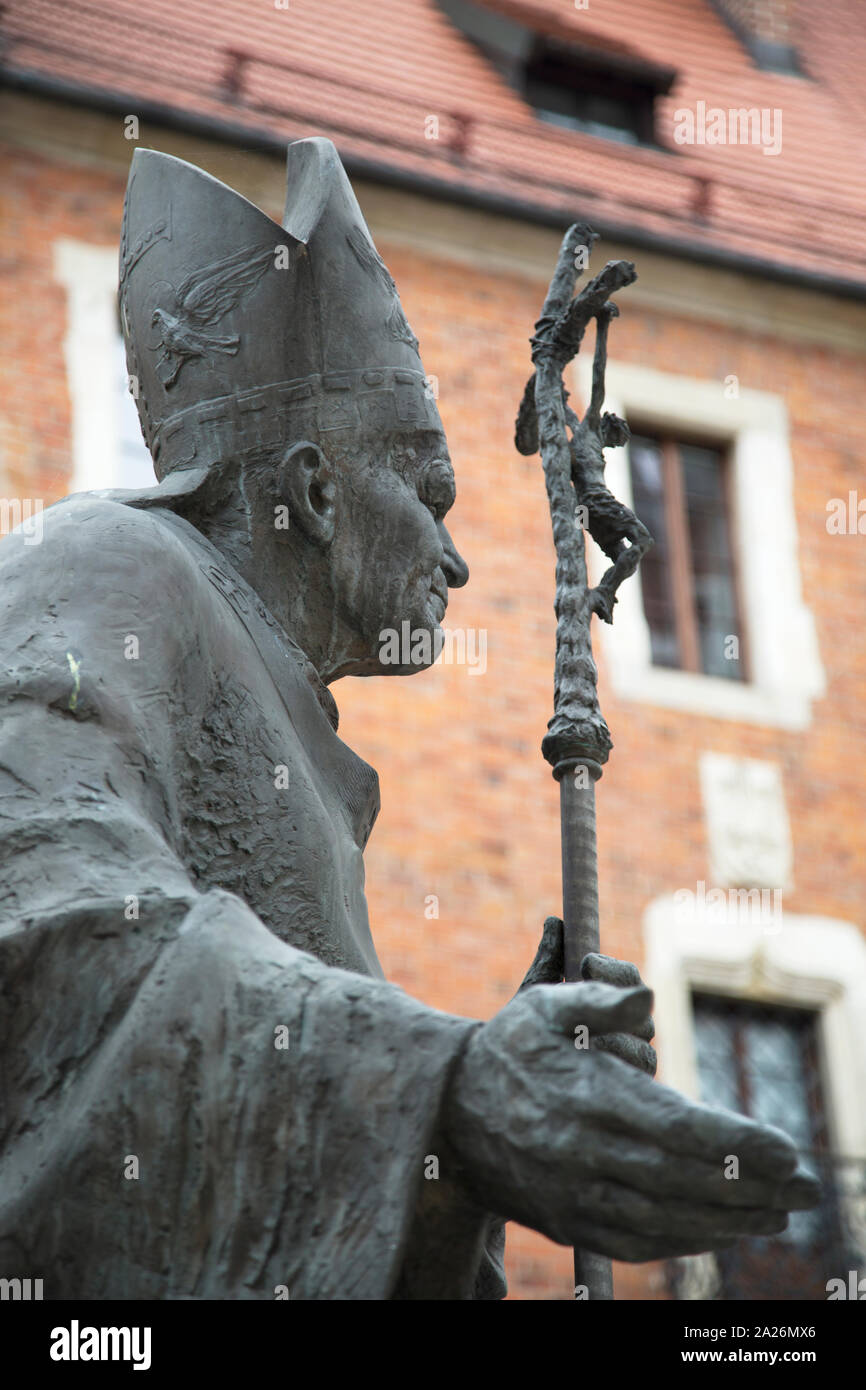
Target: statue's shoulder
<point>97,532</point>
<point>90,554</point>
<point>92,519</point>
<point>96,583</point>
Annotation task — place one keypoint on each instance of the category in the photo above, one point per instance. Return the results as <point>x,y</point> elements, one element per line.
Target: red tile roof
<point>369,72</point>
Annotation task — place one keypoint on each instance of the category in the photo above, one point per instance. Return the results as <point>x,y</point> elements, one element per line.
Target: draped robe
<point>208,1088</point>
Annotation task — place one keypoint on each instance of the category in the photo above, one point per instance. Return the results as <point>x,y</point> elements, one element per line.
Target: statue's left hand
<point>547,969</point>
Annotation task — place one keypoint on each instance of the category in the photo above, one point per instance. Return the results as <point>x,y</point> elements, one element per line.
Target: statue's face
<point>393,558</point>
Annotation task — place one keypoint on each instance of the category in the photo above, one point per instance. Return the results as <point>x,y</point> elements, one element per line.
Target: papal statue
<point>209,1090</point>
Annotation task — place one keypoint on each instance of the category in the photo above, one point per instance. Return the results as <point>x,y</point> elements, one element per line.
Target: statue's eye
<point>436,487</point>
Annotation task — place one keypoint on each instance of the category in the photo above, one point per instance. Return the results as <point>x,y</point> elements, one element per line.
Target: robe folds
<point>209,1090</point>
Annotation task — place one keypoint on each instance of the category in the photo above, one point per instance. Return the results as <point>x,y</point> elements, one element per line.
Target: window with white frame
<point>688,579</point>
<point>761,1013</point>
<point>108,449</point>
<point>732,554</point>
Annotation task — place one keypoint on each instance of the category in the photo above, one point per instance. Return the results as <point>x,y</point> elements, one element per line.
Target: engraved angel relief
<point>367,255</point>
<point>185,318</point>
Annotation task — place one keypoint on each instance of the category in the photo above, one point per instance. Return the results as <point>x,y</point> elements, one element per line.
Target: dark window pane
<point>655,571</point>
<point>778,1089</point>
<point>712,563</point>
<point>687,578</point>
<point>717,1069</point>
<point>588,98</point>
<point>762,1060</point>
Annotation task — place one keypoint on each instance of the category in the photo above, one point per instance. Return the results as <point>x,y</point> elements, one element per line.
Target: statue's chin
<point>408,647</point>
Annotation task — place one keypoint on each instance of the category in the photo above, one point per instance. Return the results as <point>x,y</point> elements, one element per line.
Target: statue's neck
<point>288,584</point>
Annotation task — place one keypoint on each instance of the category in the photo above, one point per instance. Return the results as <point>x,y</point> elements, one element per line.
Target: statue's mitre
<point>242,333</point>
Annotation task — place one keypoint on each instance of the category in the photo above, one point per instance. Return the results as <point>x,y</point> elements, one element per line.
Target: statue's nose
<point>454,567</point>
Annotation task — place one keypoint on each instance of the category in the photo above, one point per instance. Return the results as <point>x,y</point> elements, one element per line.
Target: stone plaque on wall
<point>747,822</point>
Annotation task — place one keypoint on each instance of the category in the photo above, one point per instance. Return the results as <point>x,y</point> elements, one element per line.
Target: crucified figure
<point>613,526</point>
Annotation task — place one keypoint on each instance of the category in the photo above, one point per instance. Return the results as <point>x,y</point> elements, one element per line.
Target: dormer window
<point>585,92</point>
<point>599,89</point>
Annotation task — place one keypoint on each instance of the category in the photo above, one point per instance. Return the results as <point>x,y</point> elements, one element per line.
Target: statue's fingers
<point>646,1167</point>
<point>683,1128</point>
<point>803,1190</point>
<point>547,967</point>
<point>680,1220</point>
<point>611,971</point>
<point>633,1247</point>
<point>629,1049</point>
<point>598,1007</point>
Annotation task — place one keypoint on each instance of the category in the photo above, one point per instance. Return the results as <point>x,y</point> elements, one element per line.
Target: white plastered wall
<point>94,370</point>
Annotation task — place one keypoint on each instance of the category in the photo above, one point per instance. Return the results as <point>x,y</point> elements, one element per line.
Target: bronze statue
<point>210,1091</point>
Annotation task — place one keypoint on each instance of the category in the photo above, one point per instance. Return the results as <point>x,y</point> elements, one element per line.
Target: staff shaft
<point>579,869</point>
<point>577,742</point>
<point>581,936</point>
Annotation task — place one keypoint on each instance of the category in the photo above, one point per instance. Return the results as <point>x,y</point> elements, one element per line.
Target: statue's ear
<point>305,485</point>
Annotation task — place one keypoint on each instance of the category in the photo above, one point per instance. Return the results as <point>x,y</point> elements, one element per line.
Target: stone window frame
<point>785,668</point>
<point>804,961</point>
<point>88,274</point>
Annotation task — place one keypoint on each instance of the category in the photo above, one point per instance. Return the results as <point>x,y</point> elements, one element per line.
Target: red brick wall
<point>41,201</point>
<point>470,811</point>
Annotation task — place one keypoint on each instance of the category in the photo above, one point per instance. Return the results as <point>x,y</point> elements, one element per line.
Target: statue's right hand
<point>575,1143</point>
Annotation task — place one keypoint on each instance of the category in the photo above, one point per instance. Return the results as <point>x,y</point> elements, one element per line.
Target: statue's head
<point>277,379</point>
